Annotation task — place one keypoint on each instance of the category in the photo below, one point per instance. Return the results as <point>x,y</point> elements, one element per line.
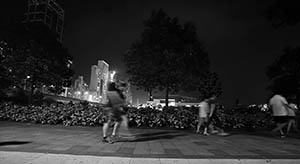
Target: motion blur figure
<point>114,110</point>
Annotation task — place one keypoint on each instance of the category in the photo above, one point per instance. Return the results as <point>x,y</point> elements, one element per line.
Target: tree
<point>283,13</point>
<point>5,78</point>
<point>37,58</point>
<point>284,73</point>
<point>166,55</point>
<point>207,84</point>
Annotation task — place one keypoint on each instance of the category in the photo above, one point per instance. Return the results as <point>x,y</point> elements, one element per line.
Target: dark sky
<point>239,41</point>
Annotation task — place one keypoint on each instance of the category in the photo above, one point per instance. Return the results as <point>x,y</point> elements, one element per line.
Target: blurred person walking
<point>292,118</point>
<point>202,115</point>
<point>212,117</point>
<point>113,111</point>
<point>279,107</point>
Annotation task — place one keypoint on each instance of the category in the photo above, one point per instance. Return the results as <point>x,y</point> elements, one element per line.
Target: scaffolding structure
<point>49,13</point>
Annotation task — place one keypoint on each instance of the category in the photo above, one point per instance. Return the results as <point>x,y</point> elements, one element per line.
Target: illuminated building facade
<point>47,12</point>
<point>80,89</point>
<point>98,82</point>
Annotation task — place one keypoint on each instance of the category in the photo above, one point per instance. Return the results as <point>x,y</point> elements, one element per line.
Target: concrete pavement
<point>33,143</point>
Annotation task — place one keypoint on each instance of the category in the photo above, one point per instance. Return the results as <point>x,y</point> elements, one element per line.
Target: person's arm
<point>212,109</point>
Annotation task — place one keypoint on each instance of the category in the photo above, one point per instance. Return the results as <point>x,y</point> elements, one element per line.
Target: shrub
<point>82,114</point>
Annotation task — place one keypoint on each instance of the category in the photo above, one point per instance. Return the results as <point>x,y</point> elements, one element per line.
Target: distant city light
<point>112,74</point>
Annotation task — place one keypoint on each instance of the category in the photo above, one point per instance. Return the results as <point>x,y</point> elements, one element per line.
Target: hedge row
<point>174,117</point>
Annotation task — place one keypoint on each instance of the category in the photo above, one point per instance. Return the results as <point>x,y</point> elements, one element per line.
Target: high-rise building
<point>47,12</point>
<point>80,89</point>
<point>99,80</point>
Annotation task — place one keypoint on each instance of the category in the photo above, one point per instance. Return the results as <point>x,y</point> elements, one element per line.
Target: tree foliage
<point>34,56</point>
<point>284,73</point>
<point>283,13</point>
<point>166,55</point>
<point>207,84</point>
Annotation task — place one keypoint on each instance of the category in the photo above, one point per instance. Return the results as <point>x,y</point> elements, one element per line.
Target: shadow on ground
<point>7,143</point>
<point>151,136</point>
<point>266,133</point>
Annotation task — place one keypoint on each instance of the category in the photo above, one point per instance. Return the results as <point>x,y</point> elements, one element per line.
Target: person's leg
<point>290,123</point>
<point>115,129</point>
<point>117,117</point>
<point>106,139</point>
<point>200,123</point>
<point>105,127</point>
<point>124,122</point>
<point>206,125</point>
<point>295,126</point>
<point>281,122</point>
<point>279,127</point>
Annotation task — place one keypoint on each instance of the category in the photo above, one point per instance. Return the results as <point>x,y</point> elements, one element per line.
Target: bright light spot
<point>28,77</point>
<point>90,98</point>
<point>112,74</point>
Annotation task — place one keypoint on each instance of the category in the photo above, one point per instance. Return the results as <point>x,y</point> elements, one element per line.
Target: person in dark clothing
<point>213,117</point>
<point>114,110</point>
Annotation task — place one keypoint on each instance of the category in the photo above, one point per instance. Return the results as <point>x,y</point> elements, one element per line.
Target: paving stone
<point>76,149</point>
<point>17,157</point>
<point>174,152</point>
<point>177,144</point>
<point>145,161</point>
<point>142,148</point>
<point>156,148</point>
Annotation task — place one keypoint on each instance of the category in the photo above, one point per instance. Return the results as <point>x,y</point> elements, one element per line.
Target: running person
<point>202,115</point>
<point>280,113</point>
<point>113,111</point>
<point>213,117</point>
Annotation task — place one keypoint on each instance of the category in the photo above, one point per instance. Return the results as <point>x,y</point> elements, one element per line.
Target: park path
<point>149,143</point>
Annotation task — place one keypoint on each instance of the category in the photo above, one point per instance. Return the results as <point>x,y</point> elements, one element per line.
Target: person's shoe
<point>214,131</point>
<point>107,140</point>
<point>223,134</point>
<point>206,134</point>
<point>282,135</point>
<point>116,136</point>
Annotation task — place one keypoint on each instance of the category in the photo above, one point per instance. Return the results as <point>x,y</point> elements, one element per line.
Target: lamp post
<point>28,77</point>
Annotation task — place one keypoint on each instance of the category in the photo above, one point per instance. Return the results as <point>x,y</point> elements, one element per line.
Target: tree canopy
<point>283,13</point>
<point>33,55</point>
<point>166,56</point>
<point>284,73</point>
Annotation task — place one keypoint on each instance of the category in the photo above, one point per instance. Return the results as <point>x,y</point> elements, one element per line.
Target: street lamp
<point>112,74</point>
<point>25,80</point>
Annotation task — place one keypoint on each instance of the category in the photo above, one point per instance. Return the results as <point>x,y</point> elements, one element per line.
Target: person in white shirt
<point>202,114</point>
<point>280,112</point>
<point>292,117</point>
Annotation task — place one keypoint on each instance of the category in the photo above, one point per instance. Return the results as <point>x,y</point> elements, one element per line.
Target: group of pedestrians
<point>115,111</point>
<point>207,119</point>
<point>284,115</point>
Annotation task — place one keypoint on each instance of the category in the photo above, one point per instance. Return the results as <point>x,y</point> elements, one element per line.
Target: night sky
<point>239,41</point>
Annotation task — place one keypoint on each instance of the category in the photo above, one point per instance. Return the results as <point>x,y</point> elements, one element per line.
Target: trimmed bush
<point>83,114</point>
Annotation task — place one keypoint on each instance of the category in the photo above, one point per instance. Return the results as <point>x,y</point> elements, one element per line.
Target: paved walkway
<point>154,145</point>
